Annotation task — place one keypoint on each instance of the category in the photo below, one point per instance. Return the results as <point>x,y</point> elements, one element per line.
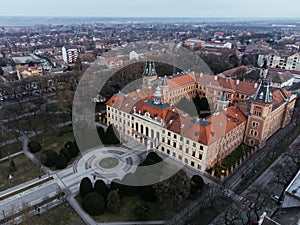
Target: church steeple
<point>149,74</point>
<point>150,69</point>
<point>264,92</point>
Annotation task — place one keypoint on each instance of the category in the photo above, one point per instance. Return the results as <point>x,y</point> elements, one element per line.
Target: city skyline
<point>154,8</point>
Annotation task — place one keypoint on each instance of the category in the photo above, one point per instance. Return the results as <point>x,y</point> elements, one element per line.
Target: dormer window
<point>261,95</point>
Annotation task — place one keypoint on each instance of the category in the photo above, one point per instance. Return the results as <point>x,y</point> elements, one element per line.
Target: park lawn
<point>59,215</point>
<point>54,140</point>
<point>38,122</point>
<point>25,171</point>
<point>11,149</point>
<point>126,212</point>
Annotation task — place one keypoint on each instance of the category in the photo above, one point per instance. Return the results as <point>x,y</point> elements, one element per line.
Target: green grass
<point>11,149</point>
<point>126,212</point>
<point>26,170</point>
<point>54,140</point>
<point>59,215</point>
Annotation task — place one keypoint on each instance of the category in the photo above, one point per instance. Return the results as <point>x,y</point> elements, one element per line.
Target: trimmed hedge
<point>197,181</point>
<point>154,156</point>
<point>68,144</point>
<point>94,203</point>
<point>60,162</point>
<point>101,188</point>
<point>111,137</point>
<point>74,150</point>
<point>48,157</point>
<point>65,152</point>
<point>34,146</point>
<point>86,187</point>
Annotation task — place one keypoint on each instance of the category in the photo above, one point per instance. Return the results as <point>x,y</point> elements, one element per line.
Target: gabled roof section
<point>178,80</point>
<point>264,92</point>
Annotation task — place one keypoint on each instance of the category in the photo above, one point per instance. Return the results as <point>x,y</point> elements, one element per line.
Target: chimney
<point>255,85</point>
<point>237,82</point>
<point>216,77</point>
<point>201,74</point>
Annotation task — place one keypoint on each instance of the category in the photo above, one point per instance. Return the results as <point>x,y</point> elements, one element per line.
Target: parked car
<point>276,199</point>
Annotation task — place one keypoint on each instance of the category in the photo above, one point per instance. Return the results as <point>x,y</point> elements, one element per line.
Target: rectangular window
<point>186,160</point>
<point>201,147</point>
<point>187,142</point>
<point>180,157</point>
<point>200,156</point>
<point>194,144</point>
<point>175,136</point>
<point>174,144</point>
<point>174,154</point>
<point>187,150</point>
<point>180,147</point>
<point>168,151</point>
<point>169,134</point>
<point>181,138</point>
<point>163,149</point>
<point>193,153</point>
<point>192,164</point>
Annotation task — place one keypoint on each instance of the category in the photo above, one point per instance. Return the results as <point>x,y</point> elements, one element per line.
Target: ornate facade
<point>241,112</point>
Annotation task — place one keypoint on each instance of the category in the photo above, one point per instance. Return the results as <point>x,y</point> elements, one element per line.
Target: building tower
<point>149,74</point>
<point>222,102</point>
<point>259,120</point>
<point>165,90</point>
<point>157,97</point>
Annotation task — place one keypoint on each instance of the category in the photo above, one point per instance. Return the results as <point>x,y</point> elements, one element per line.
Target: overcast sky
<point>152,8</point>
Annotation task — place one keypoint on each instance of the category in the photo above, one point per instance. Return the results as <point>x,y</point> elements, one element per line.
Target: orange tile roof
<point>278,99</point>
<point>227,83</point>
<point>216,126</point>
<point>181,80</point>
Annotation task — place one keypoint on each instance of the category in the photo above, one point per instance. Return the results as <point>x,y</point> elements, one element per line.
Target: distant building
<point>69,54</point>
<point>280,80</point>
<point>291,62</point>
<point>137,54</point>
<point>29,71</point>
<point>295,73</point>
<point>193,43</point>
<point>113,62</point>
<point>218,44</point>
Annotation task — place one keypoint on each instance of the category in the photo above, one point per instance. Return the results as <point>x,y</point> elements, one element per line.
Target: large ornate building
<point>240,112</point>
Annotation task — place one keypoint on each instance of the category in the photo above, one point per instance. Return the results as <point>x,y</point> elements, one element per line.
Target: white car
<point>276,199</point>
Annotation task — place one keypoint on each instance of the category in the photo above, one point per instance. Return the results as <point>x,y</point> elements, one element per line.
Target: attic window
<point>212,133</point>
<point>155,114</point>
<point>144,111</point>
<point>196,133</point>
